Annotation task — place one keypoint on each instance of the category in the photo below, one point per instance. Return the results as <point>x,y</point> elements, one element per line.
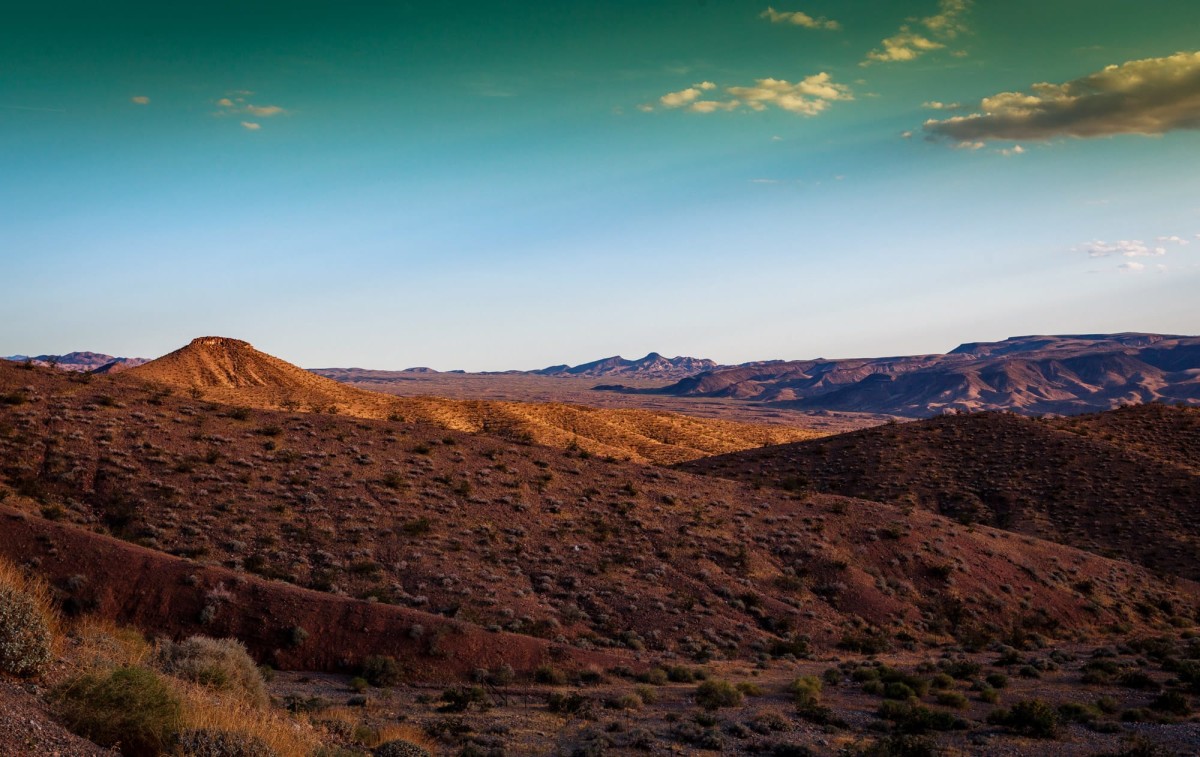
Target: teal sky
<point>515,184</point>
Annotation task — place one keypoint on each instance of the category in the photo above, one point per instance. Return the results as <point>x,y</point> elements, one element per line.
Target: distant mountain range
<point>82,361</point>
<point>1028,374</point>
<point>652,366</point>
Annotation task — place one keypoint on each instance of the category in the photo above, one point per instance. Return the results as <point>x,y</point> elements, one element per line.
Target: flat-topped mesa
<point>222,342</point>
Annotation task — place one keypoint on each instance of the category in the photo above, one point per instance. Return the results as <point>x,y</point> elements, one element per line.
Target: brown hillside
<point>548,543</point>
<point>231,371</point>
<point>1121,483</point>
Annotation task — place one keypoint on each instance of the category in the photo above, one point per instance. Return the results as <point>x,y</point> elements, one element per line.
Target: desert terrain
<point>594,582</point>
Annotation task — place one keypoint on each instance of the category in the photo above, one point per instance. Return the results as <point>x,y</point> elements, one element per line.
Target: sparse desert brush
<point>28,623</point>
<point>221,664</point>
<point>132,707</point>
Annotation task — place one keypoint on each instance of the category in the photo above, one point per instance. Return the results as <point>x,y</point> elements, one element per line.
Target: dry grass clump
<point>28,623</point>
<point>103,644</point>
<point>241,722</point>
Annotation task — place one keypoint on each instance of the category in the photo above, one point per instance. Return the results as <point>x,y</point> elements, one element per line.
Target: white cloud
<point>799,18</point>
<point>806,97</point>
<point>140,100</point>
<point>936,105</point>
<point>685,96</point>
<point>1132,267</point>
<point>225,102</point>
<point>251,125</point>
<point>909,43</point>
<point>1174,238</point>
<point>1008,152</point>
<point>1148,97</point>
<point>1129,248</point>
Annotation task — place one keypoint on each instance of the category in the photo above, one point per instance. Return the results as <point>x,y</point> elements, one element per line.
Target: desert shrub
<point>202,742</point>
<point>1032,717</point>
<point>401,748</point>
<point>654,676</point>
<point>714,694</point>
<point>996,680</point>
<point>1074,712</point>
<point>221,664</point>
<point>569,704</point>
<point>382,671</point>
<point>459,699</point>
<point>951,699</point>
<point>130,707</point>
<point>27,623</point>
<point>646,694</point>
<point>681,674</point>
<point>916,719</point>
<point>550,675</point>
<point>805,690</point>
<point>1172,703</point>
<point>898,745</point>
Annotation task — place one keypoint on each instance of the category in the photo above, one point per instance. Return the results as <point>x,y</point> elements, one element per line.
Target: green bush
<point>714,694</point>
<point>130,707</point>
<point>221,664</point>
<point>1032,717</point>
<point>382,671</point>
<point>25,625</point>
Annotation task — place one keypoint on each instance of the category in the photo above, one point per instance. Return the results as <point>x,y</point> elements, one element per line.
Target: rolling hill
<point>232,371</point>
<point>1123,483</point>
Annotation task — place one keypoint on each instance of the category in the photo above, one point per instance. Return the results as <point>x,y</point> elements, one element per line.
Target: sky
<point>515,184</point>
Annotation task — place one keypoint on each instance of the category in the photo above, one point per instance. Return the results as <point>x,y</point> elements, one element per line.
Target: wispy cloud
<point>235,103</point>
<point>938,105</point>
<point>1129,248</point>
<point>799,18</point>
<point>923,35</point>
<point>807,97</point>
<point>140,100</point>
<point>1148,97</point>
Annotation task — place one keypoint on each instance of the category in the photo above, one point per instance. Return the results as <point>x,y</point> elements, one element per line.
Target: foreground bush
<point>26,623</point>
<point>130,707</point>
<point>221,664</point>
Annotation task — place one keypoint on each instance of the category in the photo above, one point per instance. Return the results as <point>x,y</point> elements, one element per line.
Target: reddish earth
<point>170,596</point>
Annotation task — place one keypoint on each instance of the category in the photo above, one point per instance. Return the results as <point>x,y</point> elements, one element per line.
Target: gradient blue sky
<point>515,184</point>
